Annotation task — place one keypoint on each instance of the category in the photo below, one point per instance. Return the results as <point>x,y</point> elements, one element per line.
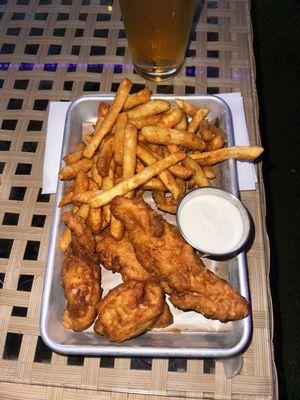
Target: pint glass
<point>157,33</point>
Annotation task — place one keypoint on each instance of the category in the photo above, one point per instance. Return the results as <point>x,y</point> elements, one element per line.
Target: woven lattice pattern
<point>56,50</point>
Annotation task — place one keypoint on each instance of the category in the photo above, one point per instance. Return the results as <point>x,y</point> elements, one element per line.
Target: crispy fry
<point>67,197</point>
<point>73,157</point>
<point>199,176</point>
<point>110,119</point>
<point>145,121</point>
<point>119,138</point>
<point>130,149</point>
<point>86,137</point>
<point>96,176</point>
<point>108,183</point>
<point>159,135</point>
<point>83,211</point>
<point>183,124</point>
<point>170,118</point>
<point>106,152</point>
<point>204,131</point>
<point>65,240</point>
<point>217,156</point>
<point>86,196</point>
<point>219,139</point>
<point>81,182</point>
<point>209,172</point>
<point>70,171</point>
<point>93,185</point>
<point>165,176</point>
<point>187,107</point>
<point>80,146</point>
<point>197,119</point>
<point>132,183</point>
<point>137,98</point>
<point>103,109</point>
<point>152,107</point>
<point>94,219</point>
<point>191,183</point>
<point>167,204</point>
<point>153,183</point>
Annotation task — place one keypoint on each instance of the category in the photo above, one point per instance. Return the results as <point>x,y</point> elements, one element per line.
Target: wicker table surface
<point>55,50</point>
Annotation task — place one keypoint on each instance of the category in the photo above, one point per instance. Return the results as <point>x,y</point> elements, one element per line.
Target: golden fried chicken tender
<point>129,310</point>
<point>160,248</point>
<point>80,277</point>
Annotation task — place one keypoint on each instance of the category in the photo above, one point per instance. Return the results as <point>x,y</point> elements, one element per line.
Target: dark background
<point>277,48</point>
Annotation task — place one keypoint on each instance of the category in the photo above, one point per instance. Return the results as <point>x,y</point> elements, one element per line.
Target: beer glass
<point>157,33</point>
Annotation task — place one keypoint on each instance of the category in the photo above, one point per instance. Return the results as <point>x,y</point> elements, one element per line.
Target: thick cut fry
<point>219,139</point>
<point>159,135</point>
<point>70,171</point>
<point>67,197</point>
<point>73,157</point>
<point>93,185</point>
<point>80,146</point>
<point>65,240</point>
<point>83,211</point>
<point>209,172</point>
<point>152,107</point>
<point>183,124</point>
<point>130,149</point>
<point>132,183</point>
<point>119,138</point>
<point>179,171</point>
<point>204,131</point>
<point>171,118</point>
<point>94,219</point>
<point>217,156</point>
<point>81,182</point>
<point>154,183</point>
<point>199,175</point>
<point>108,183</point>
<point>106,152</point>
<point>145,121</point>
<point>86,137</point>
<point>187,107</point>
<point>137,98</point>
<point>165,176</point>
<point>197,119</point>
<point>110,119</point>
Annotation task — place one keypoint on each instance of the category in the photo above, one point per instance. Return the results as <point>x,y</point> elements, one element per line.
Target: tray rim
<point>125,350</point>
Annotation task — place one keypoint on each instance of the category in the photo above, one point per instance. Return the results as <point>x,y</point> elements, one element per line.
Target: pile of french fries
<point>141,144</point>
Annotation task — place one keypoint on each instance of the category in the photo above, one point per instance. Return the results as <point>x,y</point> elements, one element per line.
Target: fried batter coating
<point>80,277</point>
<point>165,319</point>
<point>160,248</point>
<point>119,256</point>
<point>129,309</point>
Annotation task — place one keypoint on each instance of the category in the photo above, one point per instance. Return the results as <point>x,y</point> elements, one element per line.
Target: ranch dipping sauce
<point>213,221</point>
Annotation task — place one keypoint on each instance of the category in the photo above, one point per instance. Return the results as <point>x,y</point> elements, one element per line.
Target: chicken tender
<point>80,277</point>
<point>161,249</point>
<point>129,309</point>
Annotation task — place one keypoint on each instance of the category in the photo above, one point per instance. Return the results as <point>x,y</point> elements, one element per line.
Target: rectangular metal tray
<point>223,344</point>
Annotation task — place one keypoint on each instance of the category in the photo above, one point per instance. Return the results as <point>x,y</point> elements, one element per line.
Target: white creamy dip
<point>211,223</point>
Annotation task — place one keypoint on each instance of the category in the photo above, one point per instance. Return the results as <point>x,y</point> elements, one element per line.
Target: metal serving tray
<point>221,344</point>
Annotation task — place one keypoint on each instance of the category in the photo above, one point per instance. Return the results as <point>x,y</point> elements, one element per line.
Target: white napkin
<point>56,121</point>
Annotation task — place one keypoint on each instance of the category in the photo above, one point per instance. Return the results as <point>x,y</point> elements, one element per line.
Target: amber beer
<point>157,33</point>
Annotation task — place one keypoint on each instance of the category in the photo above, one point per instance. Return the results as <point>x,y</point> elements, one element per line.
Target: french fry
<point>110,118</point>
<point>67,197</point>
<point>70,171</point>
<point>71,158</point>
<point>137,180</point>
<point>199,176</point>
<point>191,183</point>
<point>219,139</point>
<point>204,131</point>
<point>159,135</point>
<point>119,137</point>
<point>197,119</point>
<point>80,146</point>
<point>94,219</point>
<point>217,156</point>
<point>153,183</point>
<point>152,107</point>
<point>86,196</point>
<point>74,209</point>
<point>167,204</point>
<point>183,124</point>
<point>81,182</point>
<point>106,151</point>
<point>165,176</point>
<point>83,211</point>
<point>187,107</point>
<point>137,98</point>
<point>145,121</point>
<point>103,109</point>
<point>209,172</point>
<point>93,185</point>
<point>130,150</point>
<point>107,183</point>
<point>170,118</point>
<point>65,240</point>
<point>86,137</point>
<point>95,175</point>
